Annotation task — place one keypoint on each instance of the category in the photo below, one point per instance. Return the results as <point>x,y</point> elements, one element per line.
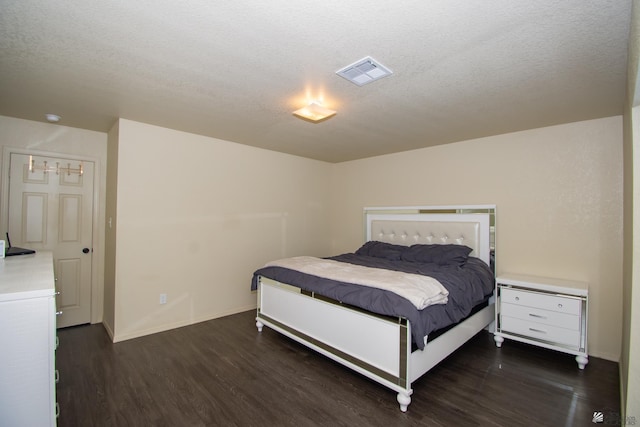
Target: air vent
<point>364,71</point>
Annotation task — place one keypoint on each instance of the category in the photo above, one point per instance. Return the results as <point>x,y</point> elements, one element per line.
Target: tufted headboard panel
<point>472,230</point>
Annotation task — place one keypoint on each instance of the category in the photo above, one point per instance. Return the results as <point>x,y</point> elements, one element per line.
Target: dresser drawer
<point>546,317</point>
<point>542,301</point>
<point>541,331</point>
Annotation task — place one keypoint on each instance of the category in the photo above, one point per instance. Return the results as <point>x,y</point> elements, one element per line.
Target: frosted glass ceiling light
<point>314,112</point>
<point>52,118</point>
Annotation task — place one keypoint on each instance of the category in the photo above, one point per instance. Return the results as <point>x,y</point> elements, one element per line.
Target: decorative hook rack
<point>44,167</point>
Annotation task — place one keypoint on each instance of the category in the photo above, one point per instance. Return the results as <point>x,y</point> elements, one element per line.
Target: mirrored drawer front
<point>546,317</point>
<point>541,332</point>
<point>542,301</point>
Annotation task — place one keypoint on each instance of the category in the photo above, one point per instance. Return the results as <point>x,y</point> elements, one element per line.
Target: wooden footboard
<point>378,347</point>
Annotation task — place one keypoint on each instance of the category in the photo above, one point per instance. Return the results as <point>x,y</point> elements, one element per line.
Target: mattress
<point>469,280</point>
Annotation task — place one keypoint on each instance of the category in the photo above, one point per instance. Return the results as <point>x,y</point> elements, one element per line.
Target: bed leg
<point>499,340</point>
<point>259,324</point>
<point>404,400</point>
<point>582,361</point>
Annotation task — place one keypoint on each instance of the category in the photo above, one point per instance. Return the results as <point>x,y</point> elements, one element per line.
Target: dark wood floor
<point>224,373</point>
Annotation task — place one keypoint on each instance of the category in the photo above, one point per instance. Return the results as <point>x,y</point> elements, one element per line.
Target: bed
<point>389,349</point>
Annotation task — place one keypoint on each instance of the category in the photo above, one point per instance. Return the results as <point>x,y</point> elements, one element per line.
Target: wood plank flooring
<point>224,373</point>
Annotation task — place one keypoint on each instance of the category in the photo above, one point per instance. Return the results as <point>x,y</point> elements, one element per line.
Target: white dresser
<point>550,313</point>
<point>28,341</point>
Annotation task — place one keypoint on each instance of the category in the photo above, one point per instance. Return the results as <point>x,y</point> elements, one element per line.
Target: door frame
<point>97,286</point>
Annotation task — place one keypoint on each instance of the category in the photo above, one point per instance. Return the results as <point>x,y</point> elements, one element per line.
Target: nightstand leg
<point>499,340</point>
<point>582,361</point>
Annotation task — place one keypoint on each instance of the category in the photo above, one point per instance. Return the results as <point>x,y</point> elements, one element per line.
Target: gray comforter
<point>469,283</point>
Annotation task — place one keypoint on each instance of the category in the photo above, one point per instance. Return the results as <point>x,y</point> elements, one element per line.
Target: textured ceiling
<point>236,70</point>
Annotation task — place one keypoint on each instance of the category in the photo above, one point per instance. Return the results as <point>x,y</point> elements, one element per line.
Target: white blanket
<point>421,291</point>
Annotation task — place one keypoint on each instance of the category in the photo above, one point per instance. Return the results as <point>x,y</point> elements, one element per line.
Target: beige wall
<point>111,226</point>
<point>36,137</point>
<point>630,358</point>
<point>211,198</point>
<point>186,208</point>
<point>196,216</point>
<point>558,192</point>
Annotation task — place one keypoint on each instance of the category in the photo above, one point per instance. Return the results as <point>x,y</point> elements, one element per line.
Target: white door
<point>51,209</point>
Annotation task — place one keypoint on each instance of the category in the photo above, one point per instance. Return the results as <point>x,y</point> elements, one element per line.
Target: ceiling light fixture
<point>52,118</point>
<point>314,112</point>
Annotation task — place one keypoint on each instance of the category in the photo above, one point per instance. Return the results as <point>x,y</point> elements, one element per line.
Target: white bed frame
<point>379,347</point>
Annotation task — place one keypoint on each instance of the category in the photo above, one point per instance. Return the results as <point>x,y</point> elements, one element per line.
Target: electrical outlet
<point>163,298</point>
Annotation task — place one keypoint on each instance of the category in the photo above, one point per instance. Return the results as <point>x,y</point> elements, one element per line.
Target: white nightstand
<point>550,313</point>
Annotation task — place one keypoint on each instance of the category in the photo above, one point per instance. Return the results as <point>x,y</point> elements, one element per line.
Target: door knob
<point>85,250</point>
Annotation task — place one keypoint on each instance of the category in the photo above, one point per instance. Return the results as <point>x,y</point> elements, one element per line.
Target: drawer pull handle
<point>537,315</point>
<point>537,330</point>
<point>58,313</point>
<point>559,305</point>
<point>517,298</point>
<point>57,376</point>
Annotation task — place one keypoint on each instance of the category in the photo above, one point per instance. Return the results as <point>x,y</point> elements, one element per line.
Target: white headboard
<point>469,229</point>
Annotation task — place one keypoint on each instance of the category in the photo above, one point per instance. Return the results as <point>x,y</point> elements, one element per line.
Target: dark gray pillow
<point>382,250</point>
<point>437,254</point>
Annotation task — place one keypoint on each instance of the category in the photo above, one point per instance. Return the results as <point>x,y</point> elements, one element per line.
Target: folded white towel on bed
<point>421,291</point>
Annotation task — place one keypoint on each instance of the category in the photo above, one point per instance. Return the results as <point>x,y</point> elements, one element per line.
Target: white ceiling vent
<point>364,71</point>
